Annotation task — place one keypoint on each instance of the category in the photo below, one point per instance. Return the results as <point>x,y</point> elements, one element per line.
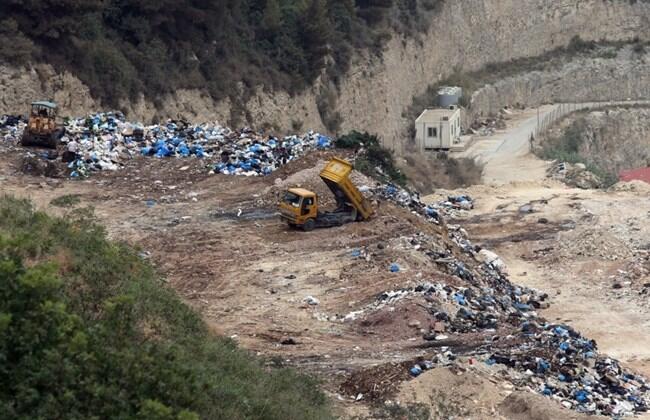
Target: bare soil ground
<point>221,247</point>
<point>218,242</point>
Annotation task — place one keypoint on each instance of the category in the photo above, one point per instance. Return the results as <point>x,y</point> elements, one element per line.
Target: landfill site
<point>526,298</point>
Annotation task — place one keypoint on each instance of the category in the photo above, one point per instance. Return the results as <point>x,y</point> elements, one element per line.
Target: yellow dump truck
<point>299,206</point>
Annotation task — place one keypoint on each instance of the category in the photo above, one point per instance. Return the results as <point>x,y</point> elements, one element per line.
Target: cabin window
<point>432,132</point>
<point>292,199</point>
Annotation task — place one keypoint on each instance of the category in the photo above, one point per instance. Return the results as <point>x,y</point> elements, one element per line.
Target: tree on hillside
<point>316,36</point>
<point>272,18</point>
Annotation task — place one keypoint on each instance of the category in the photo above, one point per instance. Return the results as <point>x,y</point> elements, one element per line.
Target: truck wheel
<point>52,142</point>
<point>26,140</point>
<point>309,225</point>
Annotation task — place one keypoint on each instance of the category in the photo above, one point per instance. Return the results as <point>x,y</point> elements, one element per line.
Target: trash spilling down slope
<point>104,141</point>
<point>482,315</point>
<point>404,294</point>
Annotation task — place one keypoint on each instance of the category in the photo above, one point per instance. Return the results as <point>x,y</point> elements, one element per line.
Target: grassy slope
<point>88,330</point>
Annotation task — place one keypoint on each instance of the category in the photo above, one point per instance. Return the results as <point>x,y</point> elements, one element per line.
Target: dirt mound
<point>376,383</point>
<point>594,243</point>
<point>452,393</point>
<point>527,406</point>
<point>632,186</point>
<point>426,173</point>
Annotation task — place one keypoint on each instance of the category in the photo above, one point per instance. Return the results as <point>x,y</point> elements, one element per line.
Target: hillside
<point>123,48</point>
<point>361,83</point>
<point>361,305</point>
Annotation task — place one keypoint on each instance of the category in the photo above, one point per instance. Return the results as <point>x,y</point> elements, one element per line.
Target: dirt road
<point>506,154</point>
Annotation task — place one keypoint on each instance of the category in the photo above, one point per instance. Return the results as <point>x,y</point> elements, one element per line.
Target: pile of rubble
<point>105,141</point>
<point>575,175</point>
<point>488,126</point>
<point>487,318</point>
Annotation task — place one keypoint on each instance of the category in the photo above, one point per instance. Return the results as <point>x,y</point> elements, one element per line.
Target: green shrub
<point>373,159</point>
<point>67,200</point>
<point>566,148</point>
<point>88,330</point>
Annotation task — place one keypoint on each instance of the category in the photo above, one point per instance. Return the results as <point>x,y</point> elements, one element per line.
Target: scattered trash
<point>575,175</point>
<point>492,259</point>
<point>394,268</point>
<point>526,208</point>
<point>551,358</point>
<point>464,202</point>
<point>312,300</point>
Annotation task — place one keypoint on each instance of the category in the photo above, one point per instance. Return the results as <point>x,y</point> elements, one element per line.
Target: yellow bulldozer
<point>42,129</point>
<point>299,207</point>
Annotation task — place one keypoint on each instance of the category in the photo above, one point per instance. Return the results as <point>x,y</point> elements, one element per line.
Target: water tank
<point>449,95</point>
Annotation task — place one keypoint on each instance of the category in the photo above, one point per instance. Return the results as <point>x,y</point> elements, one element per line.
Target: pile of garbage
<point>411,200</point>
<point>486,317</point>
<point>558,362</point>
<point>104,141</point>
<point>12,127</point>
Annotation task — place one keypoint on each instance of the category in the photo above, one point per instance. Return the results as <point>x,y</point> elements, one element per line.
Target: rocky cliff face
<point>624,77</point>
<point>469,34</point>
<point>613,139</point>
<point>465,35</point>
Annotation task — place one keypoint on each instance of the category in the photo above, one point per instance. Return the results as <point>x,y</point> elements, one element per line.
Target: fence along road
<point>507,157</point>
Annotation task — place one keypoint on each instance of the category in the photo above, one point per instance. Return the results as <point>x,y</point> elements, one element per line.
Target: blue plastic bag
<point>460,299</point>
<point>581,395</point>
<point>323,142</point>
<point>415,371</point>
<point>183,150</point>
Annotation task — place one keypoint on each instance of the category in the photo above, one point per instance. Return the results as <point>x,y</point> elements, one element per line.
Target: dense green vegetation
<point>88,331</point>
<point>372,159</point>
<point>123,47</point>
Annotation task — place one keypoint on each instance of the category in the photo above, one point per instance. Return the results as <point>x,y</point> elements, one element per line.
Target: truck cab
<point>298,206</point>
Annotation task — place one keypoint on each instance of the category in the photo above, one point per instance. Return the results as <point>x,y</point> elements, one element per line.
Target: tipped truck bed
<point>336,175</point>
